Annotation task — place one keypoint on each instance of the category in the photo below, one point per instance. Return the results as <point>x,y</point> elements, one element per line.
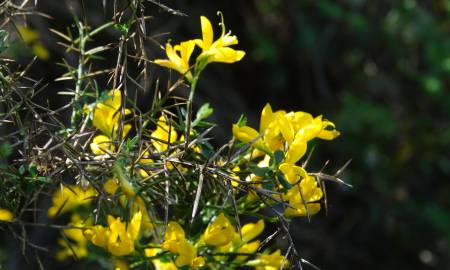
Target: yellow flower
<point>292,173</point>
<point>249,248</point>
<point>220,232</point>
<point>175,241</point>
<point>219,50</point>
<point>106,115</point>
<point>161,135</point>
<point>178,57</point>
<point>304,203</point>
<point>251,230</point>
<point>247,134</point>
<point>78,247</point>
<point>101,144</point>
<point>272,261</point>
<point>119,237</point>
<point>68,198</point>
<point>6,215</point>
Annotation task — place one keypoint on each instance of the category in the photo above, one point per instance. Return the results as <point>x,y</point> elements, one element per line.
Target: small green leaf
<point>282,180</point>
<point>242,121</point>
<point>278,157</point>
<point>5,150</point>
<point>204,112</point>
<point>122,27</point>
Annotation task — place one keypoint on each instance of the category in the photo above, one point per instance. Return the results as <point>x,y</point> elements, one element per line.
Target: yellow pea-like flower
<point>249,248</point>
<point>178,57</point>
<point>304,200</point>
<point>219,50</point>
<point>119,237</point>
<point>292,173</point>
<point>247,134</point>
<point>163,135</point>
<point>101,144</point>
<point>220,232</point>
<point>106,115</point>
<point>70,197</point>
<point>273,261</point>
<point>251,230</point>
<point>175,241</point>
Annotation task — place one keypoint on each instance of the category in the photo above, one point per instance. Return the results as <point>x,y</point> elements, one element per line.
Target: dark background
<point>378,69</point>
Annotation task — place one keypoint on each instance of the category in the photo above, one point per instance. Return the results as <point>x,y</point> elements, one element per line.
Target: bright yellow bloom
<point>251,230</point>
<point>304,203</point>
<point>247,134</point>
<point>292,173</point>
<point>119,237</point>
<point>220,232</point>
<point>101,144</point>
<point>69,197</point>
<point>107,113</point>
<point>272,261</point>
<point>78,247</point>
<point>219,50</point>
<point>178,57</point>
<point>289,132</point>
<point>6,215</point>
<point>135,202</point>
<point>161,135</point>
<point>249,248</point>
<point>175,241</point>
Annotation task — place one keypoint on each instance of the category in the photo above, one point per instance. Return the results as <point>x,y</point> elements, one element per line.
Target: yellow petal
<point>286,128</point>
<point>220,232</point>
<point>101,144</point>
<point>6,215</point>
<point>328,131</point>
<point>252,230</point>
<point>292,173</point>
<point>296,151</point>
<point>246,134</point>
<point>207,33</point>
<point>266,117</point>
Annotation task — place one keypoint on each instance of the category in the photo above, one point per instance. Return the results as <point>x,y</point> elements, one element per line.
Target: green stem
<point>80,71</point>
<point>189,108</point>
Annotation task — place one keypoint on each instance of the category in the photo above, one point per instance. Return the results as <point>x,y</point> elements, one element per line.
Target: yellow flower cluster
<point>212,51</point>
<point>106,117</point>
<point>286,131</point>
<point>69,197</point>
<point>119,237</point>
<point>290,133</point>
<point>220,235</point>
<point>175,241</point>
